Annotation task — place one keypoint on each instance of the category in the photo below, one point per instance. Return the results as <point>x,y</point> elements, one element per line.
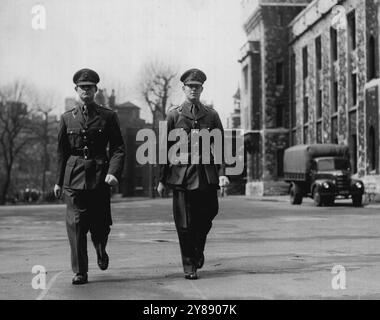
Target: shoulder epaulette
<point>173,107</point>
<point>70,110</point>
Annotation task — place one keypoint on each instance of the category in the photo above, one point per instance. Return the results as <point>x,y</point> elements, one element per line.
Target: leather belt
<point>87,153</point>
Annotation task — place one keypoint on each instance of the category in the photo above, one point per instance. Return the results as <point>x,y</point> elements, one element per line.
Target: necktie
<point>85,113</point>
<point>194,110</point>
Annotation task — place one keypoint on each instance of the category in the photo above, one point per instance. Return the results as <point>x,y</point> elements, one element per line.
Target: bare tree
<point>156,88</point>
<point>44,129</point>
<point>15,131</point>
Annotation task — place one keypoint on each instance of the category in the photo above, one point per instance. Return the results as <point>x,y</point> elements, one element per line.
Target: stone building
<point>264,90</point>
<point>310,75</point>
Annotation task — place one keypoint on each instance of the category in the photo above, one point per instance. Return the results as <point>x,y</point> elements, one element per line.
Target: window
<point>353,145</point>
<point>292,90</point>
<point>279,73</point>
<point>279,116</point>
<point>334,130</point>
<point>318,52</point>
<point>372,149</point>
<point>280,163</point>
<point>245,75</point>
<point>305,110</point>
<point>319,131</point>
<point>319,104</point>
<point>305,62</point>
<point>334,44</point>
<point>354,89</point>
<point>334,97</point>
<point>372,67</point>
<point>294,137</point>
<point>351,23</point>
<point>305,134</point>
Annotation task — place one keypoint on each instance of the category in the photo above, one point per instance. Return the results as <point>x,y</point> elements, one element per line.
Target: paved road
<point>257,250</point>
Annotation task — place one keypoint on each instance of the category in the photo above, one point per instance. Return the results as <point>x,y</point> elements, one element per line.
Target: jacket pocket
<point>68,171</point>
<point>74,136</point>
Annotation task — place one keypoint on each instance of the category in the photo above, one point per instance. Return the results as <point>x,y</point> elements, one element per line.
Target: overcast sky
<point>116,38</point>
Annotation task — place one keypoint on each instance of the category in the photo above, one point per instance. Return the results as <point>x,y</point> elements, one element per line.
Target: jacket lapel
<point>186,110</point>
<point>201,112</point>
<point>93,115</point>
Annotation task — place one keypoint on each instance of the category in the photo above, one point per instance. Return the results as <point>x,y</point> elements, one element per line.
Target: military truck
<point>323,172</point>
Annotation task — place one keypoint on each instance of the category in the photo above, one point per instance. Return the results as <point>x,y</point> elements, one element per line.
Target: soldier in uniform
<point>195,199</point>
<point>86,171</point>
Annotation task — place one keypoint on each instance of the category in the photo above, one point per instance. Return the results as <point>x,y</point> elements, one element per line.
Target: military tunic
<point>83,163</point>
<point>195,200</point>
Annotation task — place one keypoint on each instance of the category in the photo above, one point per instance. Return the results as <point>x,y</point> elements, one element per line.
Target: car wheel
<point>357,200</point>
<point>295,194</point>
<point>318,200</point>
<point>330,201</point>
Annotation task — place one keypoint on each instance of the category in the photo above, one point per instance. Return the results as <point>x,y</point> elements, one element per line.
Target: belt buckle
<point>86,152</point>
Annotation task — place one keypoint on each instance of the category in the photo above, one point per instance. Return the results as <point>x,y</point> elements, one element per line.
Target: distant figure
<point>195,198</point>
<point>223,191</point>
<point>86,173</point>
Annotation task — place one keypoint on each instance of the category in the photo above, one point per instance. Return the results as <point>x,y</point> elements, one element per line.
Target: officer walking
<point>86,171</point>
<point>194,185</point>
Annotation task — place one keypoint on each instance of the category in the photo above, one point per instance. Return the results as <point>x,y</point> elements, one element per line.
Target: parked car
<point>323,172</point>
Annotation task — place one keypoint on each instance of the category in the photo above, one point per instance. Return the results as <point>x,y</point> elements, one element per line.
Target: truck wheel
<point>357,200</point>
<point>318,199</point>
<point>330,200</point>
<point>295,194</point>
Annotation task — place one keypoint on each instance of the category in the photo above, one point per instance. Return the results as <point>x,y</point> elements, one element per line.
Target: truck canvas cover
<point>297,158</point>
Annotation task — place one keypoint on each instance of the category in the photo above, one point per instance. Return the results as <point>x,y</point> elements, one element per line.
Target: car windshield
<point>333,164</point>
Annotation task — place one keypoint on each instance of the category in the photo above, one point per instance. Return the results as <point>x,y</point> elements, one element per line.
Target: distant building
<point>237,182</point>
<point>135,180</point>
<point>234,120</point>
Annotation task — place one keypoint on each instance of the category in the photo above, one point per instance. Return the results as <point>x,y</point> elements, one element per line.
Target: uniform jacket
<point>192,176</point>
<point>83,157</point>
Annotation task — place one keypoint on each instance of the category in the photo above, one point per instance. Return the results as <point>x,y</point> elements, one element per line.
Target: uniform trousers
<point>194,211</point>
<point>86,210</point>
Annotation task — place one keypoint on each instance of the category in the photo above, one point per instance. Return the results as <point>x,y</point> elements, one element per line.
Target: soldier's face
<point>192,91</point>
<point>86,93</point>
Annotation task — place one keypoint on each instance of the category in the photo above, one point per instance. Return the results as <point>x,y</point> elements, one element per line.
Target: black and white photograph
<point>189,154</point>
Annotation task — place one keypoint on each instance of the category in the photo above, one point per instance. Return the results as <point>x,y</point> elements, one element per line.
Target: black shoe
<point>80,278</point>
<point>191,276</point>
<point>103,258</point>
<point>200,262</point>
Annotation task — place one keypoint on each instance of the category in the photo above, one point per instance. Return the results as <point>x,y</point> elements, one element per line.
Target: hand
<point>111,180</point>
<point>161,188</point>
<point>57,191</point>
<point>223,181</point>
